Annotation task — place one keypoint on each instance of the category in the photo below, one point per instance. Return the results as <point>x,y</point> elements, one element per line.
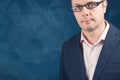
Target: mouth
<point>87,20</point>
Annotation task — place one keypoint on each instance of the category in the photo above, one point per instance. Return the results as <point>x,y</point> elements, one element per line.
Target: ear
<point>105,6</point>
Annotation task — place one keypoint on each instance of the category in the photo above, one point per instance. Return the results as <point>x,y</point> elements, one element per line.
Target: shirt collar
<point>102,37</point>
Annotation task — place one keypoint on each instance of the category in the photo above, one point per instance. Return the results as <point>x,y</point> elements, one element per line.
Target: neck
<point>93,36</point>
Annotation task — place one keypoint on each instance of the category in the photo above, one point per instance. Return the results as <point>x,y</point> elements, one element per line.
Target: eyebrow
<point>83,4</point>
<point>76,4</point>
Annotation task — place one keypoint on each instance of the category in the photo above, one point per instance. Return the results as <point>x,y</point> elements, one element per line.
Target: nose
<point>85,11</point>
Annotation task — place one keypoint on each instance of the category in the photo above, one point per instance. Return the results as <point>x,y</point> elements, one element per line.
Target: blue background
<point>32,33</point>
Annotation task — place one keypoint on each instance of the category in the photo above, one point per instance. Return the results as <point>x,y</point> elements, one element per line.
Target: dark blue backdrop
<point>31,35</point>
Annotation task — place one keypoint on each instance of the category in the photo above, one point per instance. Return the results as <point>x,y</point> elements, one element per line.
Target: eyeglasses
<point>89,5</point>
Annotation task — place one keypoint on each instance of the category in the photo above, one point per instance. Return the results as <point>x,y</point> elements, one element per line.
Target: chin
<point>89,29</point>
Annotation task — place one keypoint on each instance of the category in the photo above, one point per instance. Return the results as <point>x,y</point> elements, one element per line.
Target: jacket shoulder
<point>72,40</point>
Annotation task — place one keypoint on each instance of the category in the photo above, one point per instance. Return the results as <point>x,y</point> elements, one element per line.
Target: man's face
<point>90,19</point>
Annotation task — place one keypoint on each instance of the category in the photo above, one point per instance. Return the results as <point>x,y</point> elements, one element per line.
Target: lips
<point>87,20</point>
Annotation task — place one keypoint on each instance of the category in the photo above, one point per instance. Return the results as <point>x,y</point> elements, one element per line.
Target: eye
<point>77,8</point>
<point>91,5</point>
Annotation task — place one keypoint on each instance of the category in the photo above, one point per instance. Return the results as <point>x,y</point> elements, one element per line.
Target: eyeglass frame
<point>86,5</point>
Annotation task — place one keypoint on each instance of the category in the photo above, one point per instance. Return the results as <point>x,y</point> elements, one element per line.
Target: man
<point>94,53</point>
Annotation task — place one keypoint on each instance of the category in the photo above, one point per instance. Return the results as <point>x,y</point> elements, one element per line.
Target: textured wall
<point>31,35</point>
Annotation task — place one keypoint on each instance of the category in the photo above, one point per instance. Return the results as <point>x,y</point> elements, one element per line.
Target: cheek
<point>99,13</point>
<point>78,17</point>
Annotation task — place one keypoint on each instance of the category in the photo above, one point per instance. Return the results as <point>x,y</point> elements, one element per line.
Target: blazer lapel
<point>78,60</point>
<point>107,50</point>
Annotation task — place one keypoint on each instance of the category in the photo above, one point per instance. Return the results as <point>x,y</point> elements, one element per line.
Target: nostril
<point>86,14</point>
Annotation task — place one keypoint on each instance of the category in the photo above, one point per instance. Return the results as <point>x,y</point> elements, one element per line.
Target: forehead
<point>83,1</point>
